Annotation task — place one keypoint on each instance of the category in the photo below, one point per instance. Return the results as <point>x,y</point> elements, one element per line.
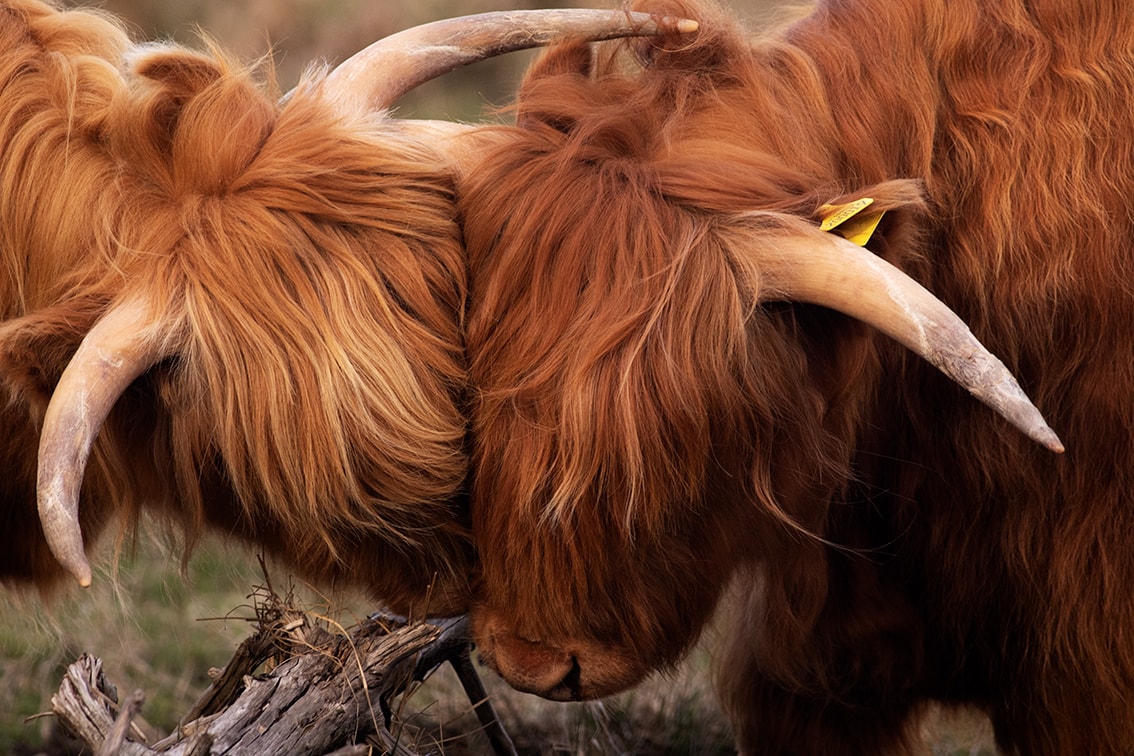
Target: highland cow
<point>255,303</point>
<point>670,395</point>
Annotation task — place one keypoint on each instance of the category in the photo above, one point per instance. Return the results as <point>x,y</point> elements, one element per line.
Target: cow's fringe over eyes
<point>308,267</point>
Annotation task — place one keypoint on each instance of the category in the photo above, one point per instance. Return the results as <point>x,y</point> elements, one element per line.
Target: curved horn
<point>835,273</point>
<point>119,348</point>
<point>377,76</point>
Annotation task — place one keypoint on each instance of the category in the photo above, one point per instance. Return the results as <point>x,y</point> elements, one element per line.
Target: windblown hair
<point>309,269</point>
<point>646,429</point>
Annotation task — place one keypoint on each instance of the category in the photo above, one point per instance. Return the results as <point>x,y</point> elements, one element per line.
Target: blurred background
<point>298,33</point>
<point>160,628</point>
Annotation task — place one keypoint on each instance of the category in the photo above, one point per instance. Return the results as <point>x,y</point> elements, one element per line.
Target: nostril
<point>534,667</point>
<point>573,682</point>
<point>570,686</point>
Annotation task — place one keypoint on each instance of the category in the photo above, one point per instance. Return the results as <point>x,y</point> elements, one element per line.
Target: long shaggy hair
<point>309,270</point>
<point>645,429</point>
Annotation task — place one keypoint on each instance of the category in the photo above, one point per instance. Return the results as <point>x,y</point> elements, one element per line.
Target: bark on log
<point>83,704</point>
<point>331,695</point>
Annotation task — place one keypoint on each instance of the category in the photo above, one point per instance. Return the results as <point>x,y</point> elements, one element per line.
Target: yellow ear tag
<point>849,222</point>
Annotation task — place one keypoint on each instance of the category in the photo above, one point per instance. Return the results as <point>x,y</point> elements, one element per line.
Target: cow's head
<point>657,399</point>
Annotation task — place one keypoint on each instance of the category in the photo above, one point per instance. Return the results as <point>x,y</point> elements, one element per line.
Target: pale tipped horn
<point>120,347</point>
<point>827,270</point>
<point>377,76</point>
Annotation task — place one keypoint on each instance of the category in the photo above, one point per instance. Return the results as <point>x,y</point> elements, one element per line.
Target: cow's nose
<point>534,667</point>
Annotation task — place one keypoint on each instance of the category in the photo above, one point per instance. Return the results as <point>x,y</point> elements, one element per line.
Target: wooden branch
<point>115,739</point>
<point>339,688</point>
<point>330,694</point>
<point>83,704</point>
<point>482,704</point>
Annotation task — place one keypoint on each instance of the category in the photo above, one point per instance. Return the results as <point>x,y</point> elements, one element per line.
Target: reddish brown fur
<point>644,430</point>
<point>310,272</point>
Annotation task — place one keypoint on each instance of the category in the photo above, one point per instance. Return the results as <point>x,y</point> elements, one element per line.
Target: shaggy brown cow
<point>286,282</point>
<point>661,407</point>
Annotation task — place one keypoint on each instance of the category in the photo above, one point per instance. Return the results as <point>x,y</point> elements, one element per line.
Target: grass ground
<point>162,631</point>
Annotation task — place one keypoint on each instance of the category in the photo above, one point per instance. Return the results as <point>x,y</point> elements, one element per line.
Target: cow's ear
<point>890,218</point>
<point>35,349</point>
<point>576,59</point>
<point>168,78</point>
<point>198,119</point>
<point>181,73</point>
<point>565,67</point>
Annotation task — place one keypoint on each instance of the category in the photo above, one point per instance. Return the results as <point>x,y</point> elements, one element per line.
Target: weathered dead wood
<point>121,729</point>
<point>330,694</point>
<point>84,704</point>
